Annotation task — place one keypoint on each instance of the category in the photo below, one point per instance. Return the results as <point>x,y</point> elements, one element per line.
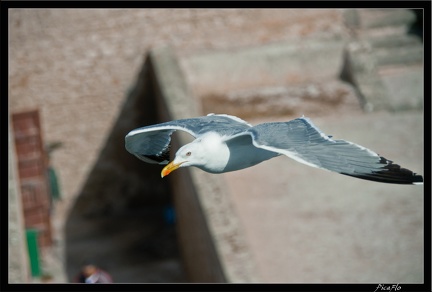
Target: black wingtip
<point>390,173</point>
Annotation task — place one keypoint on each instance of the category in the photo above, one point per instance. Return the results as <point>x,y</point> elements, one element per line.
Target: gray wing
<point>152,143</point>
<point>301,140</point>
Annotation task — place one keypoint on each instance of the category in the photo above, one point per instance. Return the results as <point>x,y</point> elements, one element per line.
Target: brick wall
<point>32,171</point>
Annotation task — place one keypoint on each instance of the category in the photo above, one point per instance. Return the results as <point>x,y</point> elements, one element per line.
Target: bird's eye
<point>189,153</point>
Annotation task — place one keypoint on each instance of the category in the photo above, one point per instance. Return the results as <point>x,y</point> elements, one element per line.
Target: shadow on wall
<point>117,221</point>
<point>417,27</point>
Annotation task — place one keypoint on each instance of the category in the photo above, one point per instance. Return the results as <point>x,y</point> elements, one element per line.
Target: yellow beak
<point>170,168</point>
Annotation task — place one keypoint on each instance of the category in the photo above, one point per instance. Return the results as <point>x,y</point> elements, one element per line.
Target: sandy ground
<point>306,225</point>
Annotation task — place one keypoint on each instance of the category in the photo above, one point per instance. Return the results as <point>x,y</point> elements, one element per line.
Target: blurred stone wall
<point>77,65</point>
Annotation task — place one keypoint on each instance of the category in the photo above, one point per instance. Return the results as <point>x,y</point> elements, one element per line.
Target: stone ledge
<point>211,240</point>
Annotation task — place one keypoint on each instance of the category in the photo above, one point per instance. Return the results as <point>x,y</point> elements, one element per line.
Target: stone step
<point>385,62</point>
<point>378,18</point>
<point>399,40</point>
<point>404,85</point>
<point>398,56</point>
<point>375,73</point>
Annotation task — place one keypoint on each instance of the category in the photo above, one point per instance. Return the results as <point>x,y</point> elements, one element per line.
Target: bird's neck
<point>217,153</point>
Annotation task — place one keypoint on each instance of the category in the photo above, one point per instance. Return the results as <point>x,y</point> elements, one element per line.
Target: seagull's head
<point>209,153</point>
<point>192,154</point>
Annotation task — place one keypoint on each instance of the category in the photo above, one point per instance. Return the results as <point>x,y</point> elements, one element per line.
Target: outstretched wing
<point>152,143</point>
<point>301,140</point>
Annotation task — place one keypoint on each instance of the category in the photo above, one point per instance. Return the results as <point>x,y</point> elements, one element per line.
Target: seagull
<point>226,143</point>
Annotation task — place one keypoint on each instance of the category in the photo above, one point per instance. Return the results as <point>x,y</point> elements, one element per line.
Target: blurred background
<point>79,81</point>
